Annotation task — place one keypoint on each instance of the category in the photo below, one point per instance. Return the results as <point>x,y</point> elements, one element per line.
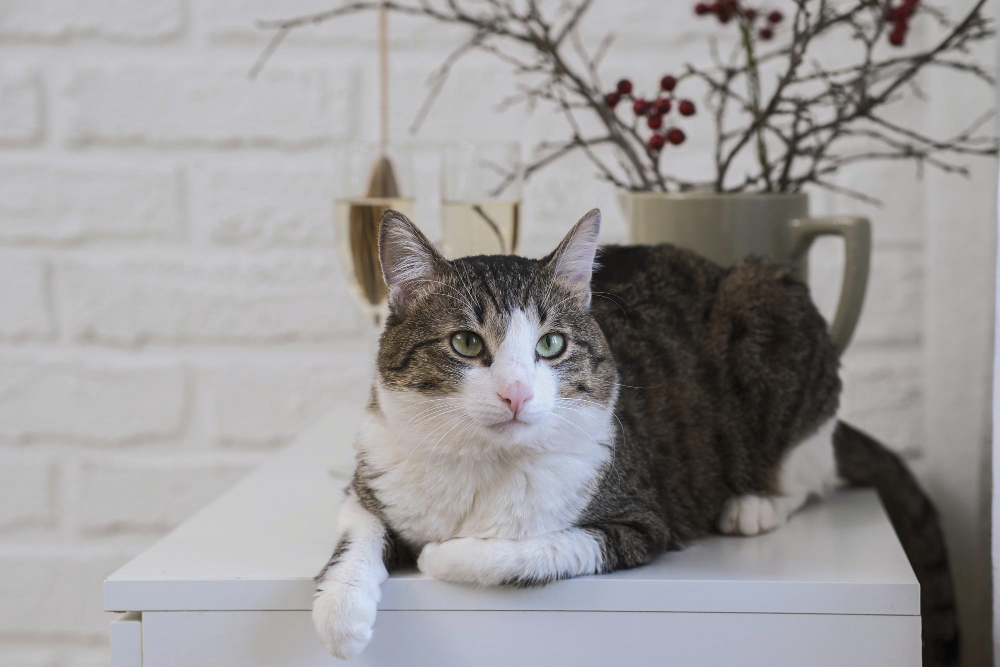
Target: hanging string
<point>383,76</point>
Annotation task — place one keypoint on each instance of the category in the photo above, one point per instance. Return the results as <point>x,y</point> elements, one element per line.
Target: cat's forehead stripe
<point>504,284</point>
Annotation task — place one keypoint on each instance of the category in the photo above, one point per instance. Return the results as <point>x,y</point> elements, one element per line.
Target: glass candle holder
<point>371,180</point>
<point>481,198</point>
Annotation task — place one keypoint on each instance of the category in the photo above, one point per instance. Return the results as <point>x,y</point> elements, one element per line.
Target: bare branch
<point>800,125</point>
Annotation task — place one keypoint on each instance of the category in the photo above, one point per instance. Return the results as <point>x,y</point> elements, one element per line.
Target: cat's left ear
<point>573,261</point>
<point>410,263</point>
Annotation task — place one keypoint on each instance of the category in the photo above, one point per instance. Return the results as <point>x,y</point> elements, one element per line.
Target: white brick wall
<point>265,206</point>
<point>21,117</point>
<point>204,300</point>
<point>257,404</point>
<point>150,493</point>
<point>89,402</point>
<point>199,105</point>
<point>151,20</point>
<point>170,297</point>
<point>24,298</point>
<point>66,199</point>
<point>28,482</point>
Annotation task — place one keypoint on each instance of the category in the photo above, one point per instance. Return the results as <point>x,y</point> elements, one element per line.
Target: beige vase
<point>728,227</point>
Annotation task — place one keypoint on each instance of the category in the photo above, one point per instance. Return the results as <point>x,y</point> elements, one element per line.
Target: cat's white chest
<point>434,496</point>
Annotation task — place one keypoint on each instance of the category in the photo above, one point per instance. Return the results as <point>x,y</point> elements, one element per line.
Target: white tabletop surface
<point>258,546</point>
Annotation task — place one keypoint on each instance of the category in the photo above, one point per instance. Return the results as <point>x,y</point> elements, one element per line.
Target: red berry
<point>701,9</point>
<point>676,136</point>
<point>766,34</point>
<point>655,121</point>
<point>640,107</point>
<point>911,4</point>
<point>612,99</point>
<point>750,13</point>
<point>624,87</point>
<point>775,17</point>
<point>723,18</point>
<point>897,37</point>
<point>668,83</point>
<point>656,142</point>
<point>663,105</point>
<point>715,7</point>
<point>686,107</point>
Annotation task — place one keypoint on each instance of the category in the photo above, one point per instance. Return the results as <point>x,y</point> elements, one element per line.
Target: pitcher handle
<point>857,235</point>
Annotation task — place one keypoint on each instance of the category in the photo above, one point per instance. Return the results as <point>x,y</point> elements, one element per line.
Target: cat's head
<point>493,351</point>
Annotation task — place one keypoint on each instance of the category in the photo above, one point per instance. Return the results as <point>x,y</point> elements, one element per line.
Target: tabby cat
<point>520,430</point>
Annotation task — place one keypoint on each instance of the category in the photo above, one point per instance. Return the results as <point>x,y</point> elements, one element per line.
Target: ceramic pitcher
<point>729,227</point>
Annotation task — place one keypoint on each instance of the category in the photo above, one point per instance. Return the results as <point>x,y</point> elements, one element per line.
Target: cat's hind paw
<point>752,515</point>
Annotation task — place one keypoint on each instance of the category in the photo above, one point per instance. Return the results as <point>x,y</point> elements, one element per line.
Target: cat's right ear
<point>409,260</point>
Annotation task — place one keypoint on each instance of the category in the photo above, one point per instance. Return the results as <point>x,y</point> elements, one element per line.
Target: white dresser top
<point>258,546</point>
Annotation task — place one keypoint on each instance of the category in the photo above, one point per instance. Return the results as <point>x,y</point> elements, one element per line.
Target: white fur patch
<point>443,478</point>
<point>347,596</point>
<point>808,468</point>
<point>492,561</point>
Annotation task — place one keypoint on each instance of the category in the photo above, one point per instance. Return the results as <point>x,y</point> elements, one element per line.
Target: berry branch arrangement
<point>782,118</point>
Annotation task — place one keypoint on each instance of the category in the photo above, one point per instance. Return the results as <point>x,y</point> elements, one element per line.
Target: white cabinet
<point>232,587</point>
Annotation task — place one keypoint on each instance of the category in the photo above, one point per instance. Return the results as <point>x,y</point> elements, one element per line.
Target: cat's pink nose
<point>515,395</point>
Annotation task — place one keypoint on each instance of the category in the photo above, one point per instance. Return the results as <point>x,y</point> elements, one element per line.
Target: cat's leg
<point>807,468</point>
<point>349,587</point>
<point>538,560</point>
<point>496,561</point>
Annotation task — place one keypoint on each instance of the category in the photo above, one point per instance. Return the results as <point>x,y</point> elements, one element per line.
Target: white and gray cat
<point>520,430</point>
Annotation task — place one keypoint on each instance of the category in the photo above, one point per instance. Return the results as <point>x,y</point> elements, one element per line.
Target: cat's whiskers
<point>453,424</point>
<point>467,298</point>
<point>608,446</point>
<point>427,415</point>
<point>616,296</point>
<point>570,297</point>
<point>627,386</point>
<point>448,296</point>
<point>589,417</point>
<point>608,298</point>
<point>613,414</point>
<point>471,293</point>
<point>402,469</point>
<point>422,418</point>
<point>424,411</point>
<point>426,400</point>
<point>599,405</point>
<point>465,427</point>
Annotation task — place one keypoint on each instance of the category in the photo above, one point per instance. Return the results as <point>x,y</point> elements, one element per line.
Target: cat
<point>534,420</point>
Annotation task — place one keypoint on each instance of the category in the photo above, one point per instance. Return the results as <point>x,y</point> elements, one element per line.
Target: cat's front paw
<point>463,560</point>
<point>344,615</point>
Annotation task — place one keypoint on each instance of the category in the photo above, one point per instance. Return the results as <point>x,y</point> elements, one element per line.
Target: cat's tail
<point>863,461</point>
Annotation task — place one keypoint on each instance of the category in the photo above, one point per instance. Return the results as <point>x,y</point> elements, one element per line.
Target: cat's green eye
<point>467,344</point>
<point>550,345</point>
